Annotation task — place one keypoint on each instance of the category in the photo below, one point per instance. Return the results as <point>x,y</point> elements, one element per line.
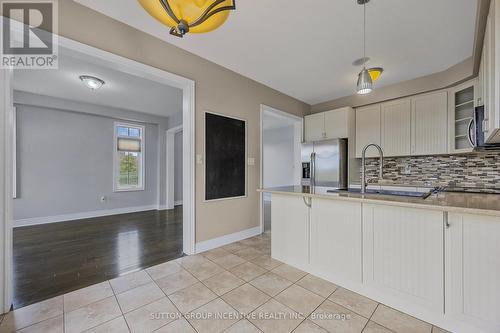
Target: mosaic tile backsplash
<point>471,170</point>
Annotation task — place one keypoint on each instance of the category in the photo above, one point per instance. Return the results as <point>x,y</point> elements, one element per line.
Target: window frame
<point>142,160</point>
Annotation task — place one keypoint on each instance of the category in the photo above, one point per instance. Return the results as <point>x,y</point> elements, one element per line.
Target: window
<point>129,157</point>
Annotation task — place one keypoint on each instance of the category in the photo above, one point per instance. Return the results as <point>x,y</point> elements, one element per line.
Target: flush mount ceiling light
<point>183,16</point>
<point>92,82</point>
<point>366,76</point>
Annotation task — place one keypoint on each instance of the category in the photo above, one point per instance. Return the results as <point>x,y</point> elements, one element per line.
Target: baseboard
<point>178,203</point>
<point>227,239</point>
<point>79,216</point>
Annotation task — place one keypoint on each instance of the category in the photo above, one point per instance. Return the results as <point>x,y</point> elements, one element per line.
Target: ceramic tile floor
<point>237,288</point>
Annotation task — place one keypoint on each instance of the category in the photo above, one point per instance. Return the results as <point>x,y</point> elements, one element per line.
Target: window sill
<point>116,190</point>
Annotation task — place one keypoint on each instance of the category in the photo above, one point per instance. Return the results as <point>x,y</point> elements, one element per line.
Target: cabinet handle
<point>445,221</point>
<point>308,201</point>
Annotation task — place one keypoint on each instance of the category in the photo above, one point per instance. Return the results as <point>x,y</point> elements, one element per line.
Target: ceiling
<point>306,48</point>
<point>122,90</point>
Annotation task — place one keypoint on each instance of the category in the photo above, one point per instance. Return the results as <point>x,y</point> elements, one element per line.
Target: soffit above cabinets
<point>307,50</point>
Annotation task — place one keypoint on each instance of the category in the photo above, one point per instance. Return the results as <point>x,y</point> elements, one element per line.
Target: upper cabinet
<point>463,99</point>
<point>314,127</point>
<point>490,75</point>
<point>328,125</point>
<point>429,119</point>
<point>404,127</point>
<point>395,130</point>
<point>367,129</point>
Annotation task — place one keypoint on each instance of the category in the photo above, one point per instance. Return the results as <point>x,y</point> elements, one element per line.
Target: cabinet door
<point>473,270</point>
<point>290,230</point>
<point>396,134</point>
<point>314,127</point>
<point>491,74</point>
<point>430,123</point>
<point>461,112</point>
<point>403,254</point>
<point>336,239</point>
<point>367,129</point>
<point>336,124</point>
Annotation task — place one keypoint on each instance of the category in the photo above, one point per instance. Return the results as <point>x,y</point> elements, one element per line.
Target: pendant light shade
<point>365,83</point>
<point>183,16</point>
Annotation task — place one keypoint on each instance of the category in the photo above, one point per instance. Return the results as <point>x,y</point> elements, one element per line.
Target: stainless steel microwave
<point>476,132</point>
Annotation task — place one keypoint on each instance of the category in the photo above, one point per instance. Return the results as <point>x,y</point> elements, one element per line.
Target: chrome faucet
<point>363,162</point>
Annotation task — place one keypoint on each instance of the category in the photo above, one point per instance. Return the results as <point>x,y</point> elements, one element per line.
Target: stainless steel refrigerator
<point>324,163</point>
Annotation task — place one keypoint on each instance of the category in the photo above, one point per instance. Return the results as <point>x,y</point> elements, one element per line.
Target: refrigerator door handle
<point>313,169</point>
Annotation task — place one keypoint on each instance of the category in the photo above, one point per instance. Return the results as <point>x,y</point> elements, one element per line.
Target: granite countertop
<point>485,204</point>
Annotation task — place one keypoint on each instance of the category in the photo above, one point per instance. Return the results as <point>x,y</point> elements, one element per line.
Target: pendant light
<point>365,82</point>
<point>183,16</point>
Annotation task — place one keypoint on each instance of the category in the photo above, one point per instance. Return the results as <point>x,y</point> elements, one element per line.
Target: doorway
<point>130,68</point>
<point>281,137</point>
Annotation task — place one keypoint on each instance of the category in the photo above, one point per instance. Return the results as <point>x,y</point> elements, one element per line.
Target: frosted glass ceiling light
<point>92,82</point>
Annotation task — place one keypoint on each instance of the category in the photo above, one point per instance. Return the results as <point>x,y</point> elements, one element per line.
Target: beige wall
<point>217,89</point>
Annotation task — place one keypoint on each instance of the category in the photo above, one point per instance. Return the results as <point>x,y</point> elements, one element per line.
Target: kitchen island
<point>434,258</point>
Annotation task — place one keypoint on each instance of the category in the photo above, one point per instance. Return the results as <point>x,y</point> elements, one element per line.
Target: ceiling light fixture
<point>365,82</point>
<point>183,16</point>
<point>92,82</point>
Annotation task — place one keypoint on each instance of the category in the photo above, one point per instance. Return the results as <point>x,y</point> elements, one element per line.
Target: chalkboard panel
<point>225,157</point>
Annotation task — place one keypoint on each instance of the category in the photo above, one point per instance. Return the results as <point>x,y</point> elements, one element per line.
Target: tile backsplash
<point>470,170</point>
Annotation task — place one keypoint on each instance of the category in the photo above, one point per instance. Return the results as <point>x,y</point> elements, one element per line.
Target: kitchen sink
<point>400,193</point>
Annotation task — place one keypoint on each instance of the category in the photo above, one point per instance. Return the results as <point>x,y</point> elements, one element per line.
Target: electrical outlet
<point>407,169</point>
<point>199,159</point>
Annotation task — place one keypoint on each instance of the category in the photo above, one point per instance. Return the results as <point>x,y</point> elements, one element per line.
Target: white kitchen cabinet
<point>328,125</point>
<point>314,127</point>
<point>337,123</point>
<point>367,129</point>
<point>403,252</point>
<point>336,239</point>
<point>463,99</point>
<point>490,64</point>
<point>429,124</point>
<point>395,130</point>
<point>473,270</point>
<point>290,230</point>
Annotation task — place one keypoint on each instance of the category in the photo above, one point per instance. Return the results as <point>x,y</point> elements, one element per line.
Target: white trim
<point>263,109</point>
<point>227,239</point>
<point>142,162</point>
<point>14,152</point>
<point>79,216</point>
<point>6,201</point>
<point>205,157</point>
<point>178,203</point>
<point>170,166</point>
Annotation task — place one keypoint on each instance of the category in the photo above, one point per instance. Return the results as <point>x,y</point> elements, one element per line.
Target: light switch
<point>251,161</point>
<point>199,159</point>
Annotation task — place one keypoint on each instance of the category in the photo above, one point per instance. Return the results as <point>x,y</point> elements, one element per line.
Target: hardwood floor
<point>53,259</point>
